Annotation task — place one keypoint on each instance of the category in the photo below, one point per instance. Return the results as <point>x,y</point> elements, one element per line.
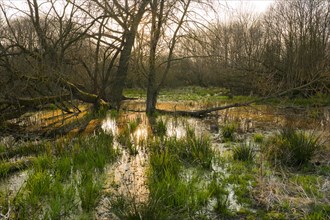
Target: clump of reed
<point>160,128</point>
<point>291,147</point>
<point>125,136</point>
<point>182,197</point>
<point>244,152</point>
<point>258,138</point>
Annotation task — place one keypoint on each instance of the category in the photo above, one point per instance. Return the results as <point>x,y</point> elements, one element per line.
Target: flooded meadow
<point>128,165</point>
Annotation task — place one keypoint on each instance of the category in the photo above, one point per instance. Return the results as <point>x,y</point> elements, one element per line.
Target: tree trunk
<point>116,90</point>
<point>156,26</point>
<point>120,76</point>
<point>152,95</point>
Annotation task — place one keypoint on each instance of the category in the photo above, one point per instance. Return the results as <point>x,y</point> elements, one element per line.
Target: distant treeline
<point>285,47</point>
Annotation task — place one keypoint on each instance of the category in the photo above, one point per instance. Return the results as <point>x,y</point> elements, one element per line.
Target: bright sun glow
<point>247,5</point>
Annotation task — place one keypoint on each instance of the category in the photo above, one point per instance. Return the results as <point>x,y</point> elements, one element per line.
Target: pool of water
<point>128,175</point>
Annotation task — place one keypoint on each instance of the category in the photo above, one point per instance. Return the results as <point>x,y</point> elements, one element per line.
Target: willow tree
<point>37,47</point>
<point>41,47</point>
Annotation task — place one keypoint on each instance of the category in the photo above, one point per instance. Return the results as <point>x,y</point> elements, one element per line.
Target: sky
<point>232,7</point>
<point>257,5</point>
<point>254,5</point>
<point>227,9</point>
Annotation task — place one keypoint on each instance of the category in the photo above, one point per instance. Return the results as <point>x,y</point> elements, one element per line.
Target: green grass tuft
<point>69,184</point>
<point>228,132</point>
<point>89,191</point>
<point>244,152</point>
<point>258,138</point>
<point>160,128</point>
<point>292,148</point>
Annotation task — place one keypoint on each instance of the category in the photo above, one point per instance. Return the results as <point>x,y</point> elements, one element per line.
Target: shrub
<point>292,148</point>
<point>244,152</point>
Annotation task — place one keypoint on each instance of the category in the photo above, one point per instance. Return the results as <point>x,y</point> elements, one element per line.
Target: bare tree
<point>127,16</point>
<point>297,45</point>
<point>162,12</point>
<point>286,48</point>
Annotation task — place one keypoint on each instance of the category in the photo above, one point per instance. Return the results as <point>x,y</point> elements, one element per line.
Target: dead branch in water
<point>205,112</point>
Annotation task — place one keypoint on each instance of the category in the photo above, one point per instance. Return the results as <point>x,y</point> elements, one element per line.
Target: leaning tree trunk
<point>118,84</point>
<point>156,27</point>
<point>116,90</point>
<point>152,89</point>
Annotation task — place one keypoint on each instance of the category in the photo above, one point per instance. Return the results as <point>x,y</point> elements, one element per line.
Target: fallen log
<point>33,102</point>
<point>204,112</point>
<point>8,115</point>
<point>85,96</point>
<point>19,106</point>
<point>23,105</point>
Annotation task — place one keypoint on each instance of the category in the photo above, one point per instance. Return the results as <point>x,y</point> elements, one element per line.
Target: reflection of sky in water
<point>14,182</point>
<point>109,125</point>
<point>177,127</point>
<point>130,176</point>
<point>141,133</point>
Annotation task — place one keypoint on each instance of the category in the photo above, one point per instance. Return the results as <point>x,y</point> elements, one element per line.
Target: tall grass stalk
<point>173,195</point>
